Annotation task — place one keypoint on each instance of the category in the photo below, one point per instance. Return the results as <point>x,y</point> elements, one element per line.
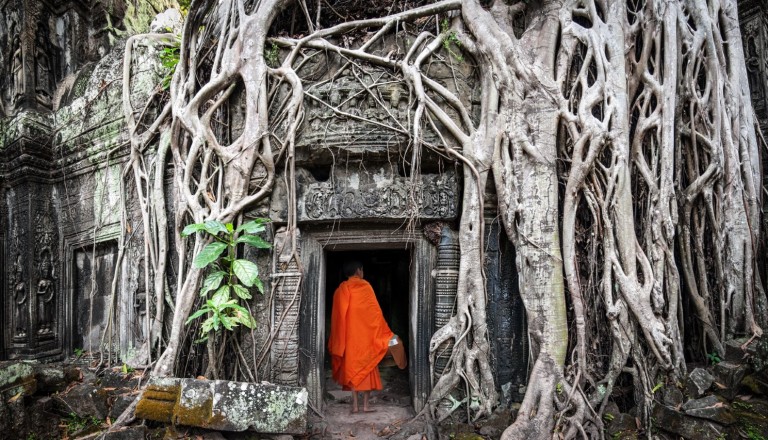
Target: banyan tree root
<point>618,135</point>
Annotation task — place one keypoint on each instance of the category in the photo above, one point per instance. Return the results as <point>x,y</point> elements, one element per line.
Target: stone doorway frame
<point>312,332</point>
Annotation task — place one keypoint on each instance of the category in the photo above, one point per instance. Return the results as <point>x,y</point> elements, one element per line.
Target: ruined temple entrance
<point>388,271</point>
<point>398,264</point>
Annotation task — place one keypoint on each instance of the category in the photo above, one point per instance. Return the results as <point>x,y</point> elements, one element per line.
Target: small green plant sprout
<point>228,274</point>
<point>272,55</point>
<point>657,387</point>
<point>79,352</point>
<point>126,369</point>
<point>169,59</point>
<point>714,358</point>
<point>450,39</point>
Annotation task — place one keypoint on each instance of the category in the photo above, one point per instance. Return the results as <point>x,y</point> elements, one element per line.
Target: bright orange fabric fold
<point>359,336</point>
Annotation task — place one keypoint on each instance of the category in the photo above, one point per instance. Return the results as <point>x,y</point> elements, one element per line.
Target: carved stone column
<point>446,283</point>
<point>284,355</point>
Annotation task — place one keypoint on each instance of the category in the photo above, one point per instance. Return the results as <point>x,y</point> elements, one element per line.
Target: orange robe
<point>359,336</point>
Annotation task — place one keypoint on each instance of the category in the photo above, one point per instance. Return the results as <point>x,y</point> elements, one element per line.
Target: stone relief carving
<point>17,70</point>
<point>345,113</point>
<point>435,198</point>
<point>21,323</point>
<point>46,293</point>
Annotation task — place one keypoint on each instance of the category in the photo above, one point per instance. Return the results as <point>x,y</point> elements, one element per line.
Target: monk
<point>359,336</point>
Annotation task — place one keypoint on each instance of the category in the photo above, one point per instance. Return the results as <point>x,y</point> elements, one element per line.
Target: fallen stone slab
<point>16,378</point>
<point>225,406</point>
<point>710,408</point>
<point>698,382</point>
<point>728,378</point>
<point>669,420</point>
<point>84,400</point>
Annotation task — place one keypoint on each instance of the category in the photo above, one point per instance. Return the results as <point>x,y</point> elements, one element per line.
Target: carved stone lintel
<point>392,197</point>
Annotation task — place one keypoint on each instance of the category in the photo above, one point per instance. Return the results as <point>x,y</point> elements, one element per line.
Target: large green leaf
<point>254,226</point>
<point>196,315</point>
<point>241,291</point>
<point>227,322</point>
<point>253,240</point>
<point>259,285</point>
<point>244,317</point>
<point>209,254</point>
<point>212,282</point>
<point>191,229</point>
<point>246,271</point>
<point>221,296</point>
<point>214,227</point>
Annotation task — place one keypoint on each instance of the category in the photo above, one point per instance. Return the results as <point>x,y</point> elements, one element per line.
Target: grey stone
<point>118,380</point>
<point>226,406</point>
<point>15,378</point>
<point>728,377</point>
<point>735,351</point>
<point>621,425</point>
<point>84,400</point>
<point>680,424</point>
<point>611,409</point>
<point>700,403</point>
<point>168,21</point>
<point>127,433</point>
<point>673,397</point>
<point>698,382</point>
<point>121,402</point>
<point>710,408</point>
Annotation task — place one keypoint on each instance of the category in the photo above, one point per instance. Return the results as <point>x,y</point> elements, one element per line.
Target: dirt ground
<point>392,408</point>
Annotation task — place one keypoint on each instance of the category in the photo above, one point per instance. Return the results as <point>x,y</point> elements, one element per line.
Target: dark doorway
<point>388,271</point>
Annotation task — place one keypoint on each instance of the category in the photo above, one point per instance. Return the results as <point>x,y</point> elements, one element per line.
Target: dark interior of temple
<point>388,271</point>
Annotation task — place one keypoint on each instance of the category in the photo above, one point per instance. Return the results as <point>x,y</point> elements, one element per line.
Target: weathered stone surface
<point>710,408</point>
<point>698,382</point>
<point>15,378</point>
<point>118,380</point>
<point>168,21</point>
<point>84,400</point>
<point>735,351</point>
<point>673,397</point>
<point>128,433</point>
<point>225,406</point>
<point>120,403</point>
<point>757,383</point>
<point>622,425</point>
<point>728,377</point>
<point>376,193</point>
<point>680,424</point>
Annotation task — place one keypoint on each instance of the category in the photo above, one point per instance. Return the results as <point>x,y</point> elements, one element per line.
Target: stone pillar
<point>284,355</point>
<point>446,284</point>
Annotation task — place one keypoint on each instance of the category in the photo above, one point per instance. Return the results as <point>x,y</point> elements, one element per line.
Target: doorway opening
<point>389,272</point>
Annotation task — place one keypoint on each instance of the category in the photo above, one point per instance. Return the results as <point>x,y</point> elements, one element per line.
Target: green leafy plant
<point>76,423</point>
<point>79,352</point>
<point>272,55</point>
<point>451,39</point>
<point>228,274</point>
<point>169,59</point>
<point>714,358</point>
<point>657,387</point>
<point>126,369</point>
